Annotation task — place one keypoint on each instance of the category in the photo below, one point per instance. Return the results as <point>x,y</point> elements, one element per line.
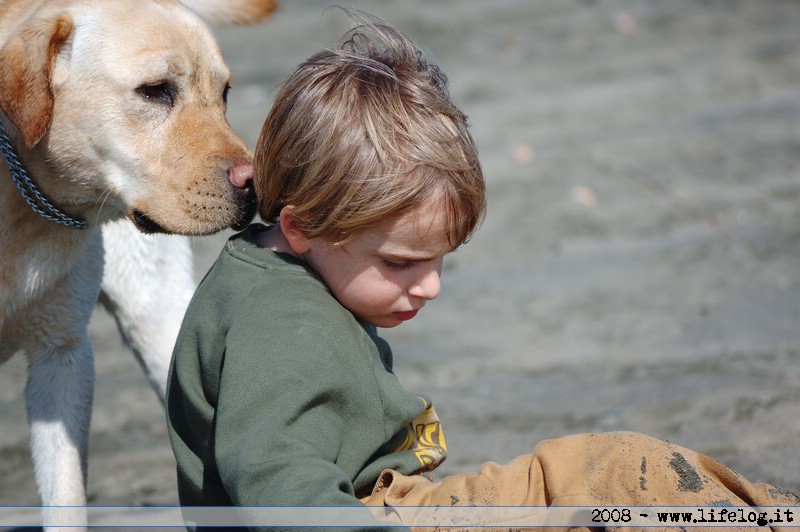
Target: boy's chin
<point>386,322</point>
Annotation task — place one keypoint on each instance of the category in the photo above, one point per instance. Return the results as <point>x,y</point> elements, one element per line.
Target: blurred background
<point>639,266</point>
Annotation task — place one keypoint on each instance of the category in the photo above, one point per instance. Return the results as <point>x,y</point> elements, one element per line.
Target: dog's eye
<point>225,94</point>
<point>160,93</point>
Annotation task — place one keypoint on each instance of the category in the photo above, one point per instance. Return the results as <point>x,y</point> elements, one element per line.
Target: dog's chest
<point>45,285</point>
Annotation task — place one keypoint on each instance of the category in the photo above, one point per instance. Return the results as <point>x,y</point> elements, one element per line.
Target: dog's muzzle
<point>145,224</point>
<point>247,206</point>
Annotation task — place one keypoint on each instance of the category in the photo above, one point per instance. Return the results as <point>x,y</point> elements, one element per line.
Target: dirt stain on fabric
<point>642,478</point>
<point>688,479</point>
<point>780,492</point>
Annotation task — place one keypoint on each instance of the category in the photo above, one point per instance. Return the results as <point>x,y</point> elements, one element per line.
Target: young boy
<point>281,392</point>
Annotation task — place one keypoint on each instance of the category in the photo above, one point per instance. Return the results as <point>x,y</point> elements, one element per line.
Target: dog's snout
<point>248,205</point>
<point>240,174</point>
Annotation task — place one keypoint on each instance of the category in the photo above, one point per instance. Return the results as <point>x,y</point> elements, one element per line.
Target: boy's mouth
<point>406,315</point>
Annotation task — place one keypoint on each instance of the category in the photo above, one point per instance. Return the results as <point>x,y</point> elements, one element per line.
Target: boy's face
<point>387,273</point>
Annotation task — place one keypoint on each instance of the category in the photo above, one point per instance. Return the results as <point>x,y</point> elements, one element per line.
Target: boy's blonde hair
<point>364,133</point>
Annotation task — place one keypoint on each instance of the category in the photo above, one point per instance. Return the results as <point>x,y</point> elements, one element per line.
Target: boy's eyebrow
<point>405,258</point>
<point>411,257</point>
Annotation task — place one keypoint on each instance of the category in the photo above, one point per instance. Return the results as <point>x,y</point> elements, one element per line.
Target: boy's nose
<point>428,285</point>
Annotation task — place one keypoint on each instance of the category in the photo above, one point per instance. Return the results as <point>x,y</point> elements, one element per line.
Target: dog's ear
<point>27,61</point>
<point>232,12</point>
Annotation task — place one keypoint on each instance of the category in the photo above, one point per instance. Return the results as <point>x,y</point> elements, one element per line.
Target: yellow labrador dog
<point>112,125</point>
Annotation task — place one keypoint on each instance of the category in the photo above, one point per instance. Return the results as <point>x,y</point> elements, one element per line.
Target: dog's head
<point>121,106</point>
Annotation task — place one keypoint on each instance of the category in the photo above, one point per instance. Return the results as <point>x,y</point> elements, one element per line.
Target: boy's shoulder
<point>244,246</point>
<point>246,278</point>
<point>281,281</point>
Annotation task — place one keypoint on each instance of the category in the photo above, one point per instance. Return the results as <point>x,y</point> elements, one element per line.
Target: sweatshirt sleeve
<point>299,411</point>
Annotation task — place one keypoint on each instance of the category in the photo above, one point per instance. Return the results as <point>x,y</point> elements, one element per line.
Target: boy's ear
<point>291,230</point>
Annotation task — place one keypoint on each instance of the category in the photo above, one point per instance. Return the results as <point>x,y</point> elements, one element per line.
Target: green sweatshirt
<point>278,396</point>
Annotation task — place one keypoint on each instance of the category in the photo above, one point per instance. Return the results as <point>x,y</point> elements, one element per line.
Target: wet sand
<point>639,265</point>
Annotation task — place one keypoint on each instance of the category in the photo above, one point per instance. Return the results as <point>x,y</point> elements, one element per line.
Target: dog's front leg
<point>148,281</point>
<point>60,387</point>
<point>59,397</point>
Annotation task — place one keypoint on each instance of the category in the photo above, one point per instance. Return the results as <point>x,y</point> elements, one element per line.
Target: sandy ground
<point>638,268</point>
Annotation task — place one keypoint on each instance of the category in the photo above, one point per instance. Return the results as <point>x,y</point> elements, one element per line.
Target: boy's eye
<point>397,265</point>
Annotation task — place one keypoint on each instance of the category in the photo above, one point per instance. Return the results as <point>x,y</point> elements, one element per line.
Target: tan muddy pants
<point>611,469</point>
